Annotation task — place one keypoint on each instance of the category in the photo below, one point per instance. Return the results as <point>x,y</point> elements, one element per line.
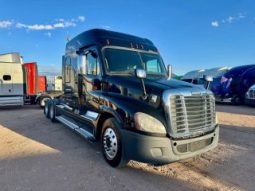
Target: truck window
<point>82,64</point>
<point>92,65</point>
<point>67,70</point>
<point>153,66</point>
<point>120,61</point>
<point>7,77</point>
<point>152,63</point>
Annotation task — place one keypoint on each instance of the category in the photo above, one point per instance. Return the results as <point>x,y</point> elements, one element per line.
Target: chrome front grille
<point>191,114</point>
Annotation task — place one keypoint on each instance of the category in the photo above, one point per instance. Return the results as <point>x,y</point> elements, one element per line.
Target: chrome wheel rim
<point>43,101</point>
<point>110,143</point>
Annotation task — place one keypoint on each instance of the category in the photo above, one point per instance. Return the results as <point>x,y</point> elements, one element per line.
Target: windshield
<point>124,62</point>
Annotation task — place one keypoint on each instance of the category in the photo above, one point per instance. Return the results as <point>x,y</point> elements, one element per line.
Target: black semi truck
<point>117,90</point>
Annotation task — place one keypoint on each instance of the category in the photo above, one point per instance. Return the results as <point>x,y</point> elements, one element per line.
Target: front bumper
<point>223,100</point>
<point>163,150</point>
<point>11,101</point>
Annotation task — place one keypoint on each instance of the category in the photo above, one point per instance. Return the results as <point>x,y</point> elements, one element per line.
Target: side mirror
<point>208,78</point>
<point>169,71</point>
<point>140,73</point>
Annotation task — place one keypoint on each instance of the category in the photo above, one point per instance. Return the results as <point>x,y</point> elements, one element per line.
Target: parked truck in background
<point>20,82</point>
<point>31,82</point>
<point>53,87</point>
<point>11,80</point>
<point>42,84</point>
<point>234,84</point>
<point>250,96</point>
<point>117,90</point>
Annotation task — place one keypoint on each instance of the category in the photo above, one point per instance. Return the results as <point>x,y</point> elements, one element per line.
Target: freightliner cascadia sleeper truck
<point>117,90</point>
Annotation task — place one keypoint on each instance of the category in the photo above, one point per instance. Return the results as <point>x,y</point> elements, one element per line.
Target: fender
<point>124,108</point>
<point>111,111</point>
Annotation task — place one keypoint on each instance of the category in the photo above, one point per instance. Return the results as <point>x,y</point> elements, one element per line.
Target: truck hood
<point>252,87</point>
<point>132,87</point>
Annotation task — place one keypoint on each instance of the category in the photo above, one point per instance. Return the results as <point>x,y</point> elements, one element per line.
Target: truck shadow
<point>24,107</point>
<point>72,154</point>
<point>59,159</point>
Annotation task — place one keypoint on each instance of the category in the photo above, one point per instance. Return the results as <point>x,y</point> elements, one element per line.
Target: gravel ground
<point>36,154</point>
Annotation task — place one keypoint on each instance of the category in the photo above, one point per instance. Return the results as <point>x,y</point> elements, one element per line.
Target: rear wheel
<point>236,100</point>
<point>112,143</point>
<point>43,101</point>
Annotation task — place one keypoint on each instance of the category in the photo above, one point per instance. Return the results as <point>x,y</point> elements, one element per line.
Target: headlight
<point>147,123</point>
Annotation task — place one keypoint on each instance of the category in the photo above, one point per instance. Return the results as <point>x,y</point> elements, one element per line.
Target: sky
<point>190,35</point>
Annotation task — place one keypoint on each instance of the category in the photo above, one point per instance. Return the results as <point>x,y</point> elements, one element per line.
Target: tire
<point>236,100</point>
<point>111,144</point>
<point>46,110</point>
<point>52,113</point>
<point>43,101</point>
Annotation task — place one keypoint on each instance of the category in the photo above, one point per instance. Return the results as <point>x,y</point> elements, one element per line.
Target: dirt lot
<point>38,155</point>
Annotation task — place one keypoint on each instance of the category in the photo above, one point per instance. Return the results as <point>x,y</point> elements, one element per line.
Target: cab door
<point>6,85</point>
<point>92,79</point>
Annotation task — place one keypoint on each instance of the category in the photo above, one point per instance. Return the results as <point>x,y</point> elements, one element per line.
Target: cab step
<point>74,126</point>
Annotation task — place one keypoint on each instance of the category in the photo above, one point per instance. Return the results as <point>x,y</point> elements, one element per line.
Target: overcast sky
<point>189,34</point>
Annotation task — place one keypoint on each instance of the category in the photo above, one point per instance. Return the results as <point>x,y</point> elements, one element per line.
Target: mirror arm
<point>145,96</point>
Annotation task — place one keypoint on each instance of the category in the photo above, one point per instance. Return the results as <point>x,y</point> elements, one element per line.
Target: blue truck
<point>234,84</point>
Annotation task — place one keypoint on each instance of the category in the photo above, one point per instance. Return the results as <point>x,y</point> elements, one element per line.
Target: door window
<point>7,77</point>
<point>67,70</point>
<point>92,64</point>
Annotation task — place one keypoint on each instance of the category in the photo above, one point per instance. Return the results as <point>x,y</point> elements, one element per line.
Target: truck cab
<point>11,80</point>
<point>117,90</point>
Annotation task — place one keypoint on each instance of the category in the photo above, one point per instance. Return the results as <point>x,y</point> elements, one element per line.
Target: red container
<point>42,81</point>
<point>31,76</point>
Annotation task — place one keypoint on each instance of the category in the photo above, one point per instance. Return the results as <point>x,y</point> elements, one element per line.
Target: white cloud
<point>69,24</point>
<point>59,24</point>
<point>81,18</point>
<point>5,24</point>
<point>38,27</point>
<point>215,24</point>
<point>229,20</point>
<point>20,25</point>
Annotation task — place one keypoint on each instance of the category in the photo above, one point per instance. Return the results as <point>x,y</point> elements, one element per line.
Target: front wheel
<point>112,144</point>
<point>46,110</point>
<point>52,113</point>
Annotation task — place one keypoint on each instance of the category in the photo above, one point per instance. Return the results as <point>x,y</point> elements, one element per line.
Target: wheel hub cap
<point>110,143</point>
